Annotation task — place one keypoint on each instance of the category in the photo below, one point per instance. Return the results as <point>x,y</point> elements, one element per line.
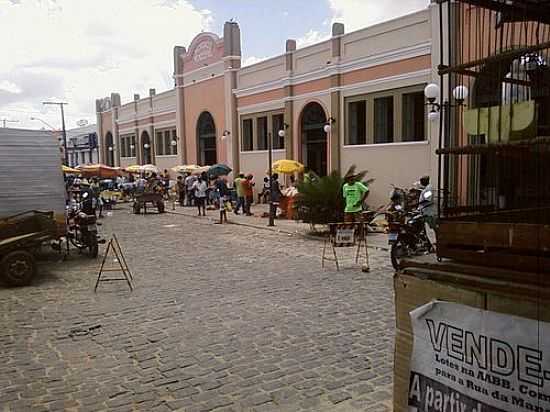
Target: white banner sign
<point>470,360</point>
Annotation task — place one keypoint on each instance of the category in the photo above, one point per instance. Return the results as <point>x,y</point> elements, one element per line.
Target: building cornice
<point>410,77</point>
<point>146,115</point>
<point>418,50</point>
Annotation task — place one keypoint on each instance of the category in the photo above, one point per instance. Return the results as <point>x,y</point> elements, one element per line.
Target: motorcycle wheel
<point>397,252</point>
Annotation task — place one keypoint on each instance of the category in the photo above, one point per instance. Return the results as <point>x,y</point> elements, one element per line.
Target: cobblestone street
<point>223,317</point>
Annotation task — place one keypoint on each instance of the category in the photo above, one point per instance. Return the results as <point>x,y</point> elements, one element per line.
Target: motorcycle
<point>407,237</point>
<point>408,233</point>
<point>83,227</point>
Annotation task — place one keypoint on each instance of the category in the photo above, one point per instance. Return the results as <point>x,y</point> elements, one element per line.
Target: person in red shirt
<point>248,189</point>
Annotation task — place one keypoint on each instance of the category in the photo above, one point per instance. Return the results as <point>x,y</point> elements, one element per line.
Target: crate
<point>518,246</point>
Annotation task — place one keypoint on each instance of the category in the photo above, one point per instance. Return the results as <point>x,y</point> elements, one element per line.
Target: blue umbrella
<point>219,170</point>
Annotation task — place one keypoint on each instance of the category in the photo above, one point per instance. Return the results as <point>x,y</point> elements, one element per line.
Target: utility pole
<point>61,104</point>
<point>270,160</point>
<point>4,121</point>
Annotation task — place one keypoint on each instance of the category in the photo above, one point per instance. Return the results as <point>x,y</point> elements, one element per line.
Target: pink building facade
<point>366,85</point>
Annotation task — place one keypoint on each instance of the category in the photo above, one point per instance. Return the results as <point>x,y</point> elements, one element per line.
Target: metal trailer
<point>32,198</point>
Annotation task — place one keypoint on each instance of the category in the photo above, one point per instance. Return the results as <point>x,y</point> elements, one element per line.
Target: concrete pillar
<point>115,102</point>
<point>336,112</point>
<point>139,147</point>
<point>291,132</point>
<point>179,52</point>
<point>151,132</point>
<point>232,63</point>
<point>99,123</point>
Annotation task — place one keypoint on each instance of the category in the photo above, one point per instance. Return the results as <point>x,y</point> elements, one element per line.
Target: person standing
<point>355,193</point>
<point>239,188</point>
<point>200,187</point>
<point>166,180</point>
<point>221,189</point>
<point>248,192</point>
<point>189,182</point>
<point>180,189</point>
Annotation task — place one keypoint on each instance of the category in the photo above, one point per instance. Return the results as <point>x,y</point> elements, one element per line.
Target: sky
<point>79,50</point>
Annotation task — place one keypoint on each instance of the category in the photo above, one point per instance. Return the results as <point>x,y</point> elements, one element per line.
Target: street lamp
<point>61,104</point>
<point>328,125</point>
<point>46,123</point>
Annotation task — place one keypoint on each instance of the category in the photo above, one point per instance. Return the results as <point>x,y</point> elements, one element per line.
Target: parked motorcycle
<point>407,236</point>
<point>410,216</point>
<point>82,229</point>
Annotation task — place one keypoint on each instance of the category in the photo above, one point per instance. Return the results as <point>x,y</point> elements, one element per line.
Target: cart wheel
<point>136,208</point>
<point>18,268</point>
<point>160,206</point>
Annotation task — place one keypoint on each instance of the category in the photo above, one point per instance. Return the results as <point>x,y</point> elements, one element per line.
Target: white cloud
<point>247,61</point>
<point>311,37</point>
<point>80,50</point>
<point>357,14</point>
<point>9,87</point>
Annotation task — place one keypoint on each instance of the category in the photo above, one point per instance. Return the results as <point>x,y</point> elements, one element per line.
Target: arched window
<point>206,140</point>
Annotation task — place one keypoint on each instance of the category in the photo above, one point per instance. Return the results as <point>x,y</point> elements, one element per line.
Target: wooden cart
<point>21,236</point>
<point>154,198</point>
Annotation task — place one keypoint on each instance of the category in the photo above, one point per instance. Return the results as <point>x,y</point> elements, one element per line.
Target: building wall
<point>390,55</point>
<point>207,96</point>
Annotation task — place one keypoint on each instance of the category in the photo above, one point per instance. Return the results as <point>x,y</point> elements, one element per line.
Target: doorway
<point>314,139</point>
<point>206,140</point>
<point>109,150</point>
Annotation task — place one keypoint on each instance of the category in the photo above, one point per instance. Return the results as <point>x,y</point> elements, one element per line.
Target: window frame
<point>125,142</point>
<point>241,134</point>
<point>413,90</point>
<point>278,142</point>
<point>255,138</point>
<point>163,141</point>
<point>262,143</point>
<point>347,103</point>
<point>397,94</point>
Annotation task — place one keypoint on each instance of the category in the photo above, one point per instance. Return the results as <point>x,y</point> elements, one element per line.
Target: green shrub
<point>320,201</point>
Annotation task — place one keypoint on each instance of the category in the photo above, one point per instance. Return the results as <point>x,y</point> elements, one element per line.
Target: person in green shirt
<point>240,193</point>
<point>354,193</point>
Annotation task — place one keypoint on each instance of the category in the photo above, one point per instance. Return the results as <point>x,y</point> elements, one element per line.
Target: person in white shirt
<point>189,183</point>
<point>200,187</point>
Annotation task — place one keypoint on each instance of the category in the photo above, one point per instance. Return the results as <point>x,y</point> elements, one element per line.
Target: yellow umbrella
<point>186,168</point>
<point>67,169</point>
<point>288,167</point>
<point>133,169</point>
<point>149,168</point>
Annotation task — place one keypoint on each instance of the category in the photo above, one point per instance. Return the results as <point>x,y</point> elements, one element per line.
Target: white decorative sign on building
<point>203,51</point>
<point>470,360</point>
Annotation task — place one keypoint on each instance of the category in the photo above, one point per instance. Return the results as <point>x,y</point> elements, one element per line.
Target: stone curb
<point>276,230</point>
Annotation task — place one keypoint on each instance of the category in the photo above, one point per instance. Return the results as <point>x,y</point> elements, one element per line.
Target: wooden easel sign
<point>113,248</point>
<point>346,235</point>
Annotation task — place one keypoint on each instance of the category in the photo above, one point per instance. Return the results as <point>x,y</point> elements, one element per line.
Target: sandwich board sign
<point>343,235</point>
<point>470,360</point>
